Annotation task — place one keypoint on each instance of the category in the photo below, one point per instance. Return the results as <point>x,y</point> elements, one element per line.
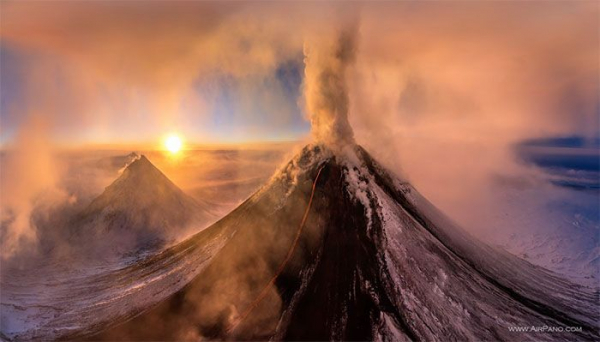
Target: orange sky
<point>130,72</point>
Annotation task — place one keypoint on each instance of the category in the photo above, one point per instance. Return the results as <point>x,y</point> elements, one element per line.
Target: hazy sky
<point>130,72</point>
<point>263,108</point>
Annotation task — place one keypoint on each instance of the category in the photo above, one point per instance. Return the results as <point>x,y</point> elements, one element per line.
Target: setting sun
<point>173,143</point>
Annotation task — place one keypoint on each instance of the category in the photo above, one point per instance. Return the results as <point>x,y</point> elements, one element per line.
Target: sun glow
<point>173,143</point>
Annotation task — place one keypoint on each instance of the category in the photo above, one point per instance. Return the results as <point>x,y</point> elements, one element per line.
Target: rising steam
<point>327,59</point>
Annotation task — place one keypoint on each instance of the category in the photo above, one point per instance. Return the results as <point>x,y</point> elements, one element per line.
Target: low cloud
<point>442,91</point>
<point>29,181</point>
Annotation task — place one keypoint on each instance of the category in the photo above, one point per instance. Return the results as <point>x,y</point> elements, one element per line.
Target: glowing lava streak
<point>264,291</point>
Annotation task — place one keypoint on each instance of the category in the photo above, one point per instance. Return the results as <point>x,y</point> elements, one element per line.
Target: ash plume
<point>327,59</point>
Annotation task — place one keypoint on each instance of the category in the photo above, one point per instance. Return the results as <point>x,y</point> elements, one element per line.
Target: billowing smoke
<point>327,59</point>
<point>31,183</point>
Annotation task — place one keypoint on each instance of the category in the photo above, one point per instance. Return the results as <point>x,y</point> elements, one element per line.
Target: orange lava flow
<point>264,291</point>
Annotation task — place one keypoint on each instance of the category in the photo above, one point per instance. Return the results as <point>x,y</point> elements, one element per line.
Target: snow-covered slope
<point>557,228</point>
<point>336,248</point>
<point>56,301</point>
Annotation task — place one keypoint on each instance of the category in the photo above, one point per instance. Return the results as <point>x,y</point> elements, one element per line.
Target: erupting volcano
<point>333,247</point>
<point>372,260</point>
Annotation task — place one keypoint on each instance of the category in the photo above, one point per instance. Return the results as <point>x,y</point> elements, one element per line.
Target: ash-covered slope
<point>336,248</point>
<point>141,210</point>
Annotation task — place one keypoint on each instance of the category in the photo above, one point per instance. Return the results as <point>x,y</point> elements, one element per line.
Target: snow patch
<point>359,182</point>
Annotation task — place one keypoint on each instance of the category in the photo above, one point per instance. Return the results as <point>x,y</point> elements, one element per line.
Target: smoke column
<point>327,58</point>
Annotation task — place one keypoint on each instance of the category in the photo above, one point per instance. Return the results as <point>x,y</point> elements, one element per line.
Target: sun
<point>173,143</point>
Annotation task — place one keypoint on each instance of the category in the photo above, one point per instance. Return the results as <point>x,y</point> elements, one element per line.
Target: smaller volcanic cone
<point>142,210</point>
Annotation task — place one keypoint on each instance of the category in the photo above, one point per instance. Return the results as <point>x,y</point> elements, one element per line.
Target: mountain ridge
<point>143,208</point>
<point>374,261</point>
